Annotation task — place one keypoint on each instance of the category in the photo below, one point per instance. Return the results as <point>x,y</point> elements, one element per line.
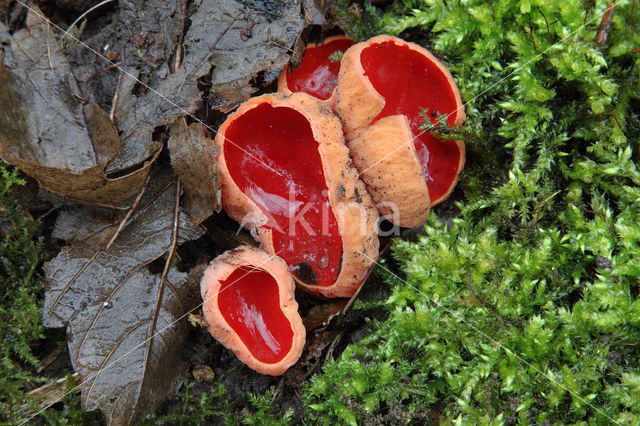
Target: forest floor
<point>517,302</point>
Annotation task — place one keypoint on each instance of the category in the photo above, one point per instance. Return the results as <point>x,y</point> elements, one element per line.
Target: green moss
<point>523,308</point>
<point>20,322</point>
<point>21,257</point>
<point>202,407</point>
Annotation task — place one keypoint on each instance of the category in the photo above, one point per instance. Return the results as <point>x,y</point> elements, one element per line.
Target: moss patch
<point>524,307</point>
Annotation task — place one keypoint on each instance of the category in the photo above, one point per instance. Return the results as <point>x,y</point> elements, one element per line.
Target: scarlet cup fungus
<point>250,308</point>
<point>287,176</point>
<point>384,87</point>
<point>317,74</point>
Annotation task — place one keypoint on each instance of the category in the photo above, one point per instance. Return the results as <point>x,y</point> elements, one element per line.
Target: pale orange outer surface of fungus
<point>384,151</point>
<point>222,268</point>
<point>350,203</point>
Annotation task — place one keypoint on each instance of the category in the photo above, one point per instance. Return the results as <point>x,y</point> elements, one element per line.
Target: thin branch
<point>114,104</point>
<point>126,218</point>
<point>83,15</point>
<point>174,233</point>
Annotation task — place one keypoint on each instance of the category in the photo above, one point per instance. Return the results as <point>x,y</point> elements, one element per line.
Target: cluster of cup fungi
<point>310,169</point>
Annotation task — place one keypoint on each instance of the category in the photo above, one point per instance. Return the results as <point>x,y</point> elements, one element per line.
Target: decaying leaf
<point>152,92</point>
<point>90,226</point>
<point>125,325</point>
<point>321,315</point>
<point>47,130</point>
<point>203,373</point>
<point>193,157</point>
<point>242,42</point>
<point>197,320</point>
<point>230,47</point>
<point>314,12</point>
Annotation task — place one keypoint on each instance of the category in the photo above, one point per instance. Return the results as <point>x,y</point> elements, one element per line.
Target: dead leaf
<point>219,57</point>
<point>321,315</point>
<point>197,320</point>
<point>125,325</point>
<point>146,36</point>
<point>203,373</point>
<point>314,12</point>
<point>47,131</point>
<point>193,157</point>
<point>86,225</point>
<point>232,59</point>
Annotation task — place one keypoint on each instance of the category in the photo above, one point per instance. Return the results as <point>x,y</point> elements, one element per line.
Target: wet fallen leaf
<point>193,157</point>
<point>125,325</point>
<point>48,131</point>
<point>90,226</point>
<point>148,37</point>
<point>203,373</point>
<point>197,320</point>
<point>230,49</point>
<point>321,315</point>
<point>314,12</point>
<point>251,41</point>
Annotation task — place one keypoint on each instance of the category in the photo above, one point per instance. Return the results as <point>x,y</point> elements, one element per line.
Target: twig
<point>49,46</point>
<point>332,346</point>
<point>616,119</point>
<point>110,67</point>
<point>48,394</point>
<point>114,104</point>
<point>66,33</point>
<point>178,61</point>
<point>129,213</point>
<point>174,233</point>
<point>183,15</point>
<point>48,360</point>
<point>539,207</point>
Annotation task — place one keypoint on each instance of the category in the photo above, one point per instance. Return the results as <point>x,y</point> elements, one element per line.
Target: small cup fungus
<point>250,308</point>
<point>287,176</point>
<point>386,86</point>
<point>317,74</point>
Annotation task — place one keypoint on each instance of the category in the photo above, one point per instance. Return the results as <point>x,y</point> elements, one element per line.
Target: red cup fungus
<point>317,74</point>
<point>250,308</point>
<point>287,176</point>
<point>385,87</point>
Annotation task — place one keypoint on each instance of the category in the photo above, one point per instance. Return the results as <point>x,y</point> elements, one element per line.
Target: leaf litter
<point>48,131</point>
<point>125,325</point>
